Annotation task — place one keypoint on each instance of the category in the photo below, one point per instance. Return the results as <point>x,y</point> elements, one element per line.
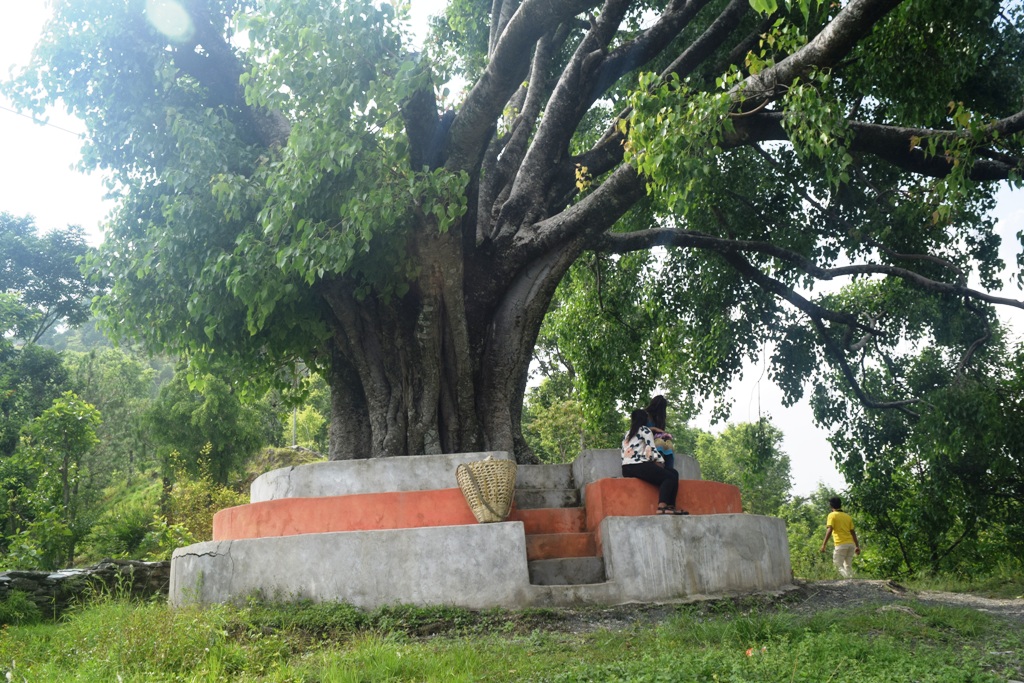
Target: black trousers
<point>665,478</point>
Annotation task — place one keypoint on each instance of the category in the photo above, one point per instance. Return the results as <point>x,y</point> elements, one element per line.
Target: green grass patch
<point>998,585</point>
<point>117,640</point>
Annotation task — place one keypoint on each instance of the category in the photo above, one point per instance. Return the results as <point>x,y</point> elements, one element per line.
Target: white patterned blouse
<point>640,448</point>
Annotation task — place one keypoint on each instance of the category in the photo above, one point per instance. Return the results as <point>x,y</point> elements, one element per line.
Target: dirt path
<point>819,595</point>
<point>806,598</point>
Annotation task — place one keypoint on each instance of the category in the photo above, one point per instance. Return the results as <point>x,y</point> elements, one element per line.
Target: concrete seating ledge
<point>448,507</point>
<point>606,463</point>
<point>420,473</point>
<point>377,475</point>
<point>479,566</point>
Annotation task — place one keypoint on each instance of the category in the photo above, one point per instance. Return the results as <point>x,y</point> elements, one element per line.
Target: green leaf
<point>764,6</point>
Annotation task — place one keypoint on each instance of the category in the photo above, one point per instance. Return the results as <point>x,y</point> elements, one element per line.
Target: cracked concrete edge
<point>351,477</point>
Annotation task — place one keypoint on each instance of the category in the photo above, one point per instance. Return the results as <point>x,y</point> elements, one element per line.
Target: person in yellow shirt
<point>839,526</point>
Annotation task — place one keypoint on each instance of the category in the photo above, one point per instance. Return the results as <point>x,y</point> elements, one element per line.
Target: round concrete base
<point>477,566</point>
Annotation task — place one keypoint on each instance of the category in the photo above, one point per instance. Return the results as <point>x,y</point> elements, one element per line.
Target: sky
<point>37,173</point>
<point>38,178</point>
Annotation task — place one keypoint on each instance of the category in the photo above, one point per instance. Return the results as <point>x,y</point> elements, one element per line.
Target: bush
<point>120,531</point>
<point>40,545</point>
<point>162,539</point>
<point>18,609</point>
<point>195,499</point>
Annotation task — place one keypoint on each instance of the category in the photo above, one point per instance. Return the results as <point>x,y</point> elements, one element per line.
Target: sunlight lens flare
<point>170,18</point>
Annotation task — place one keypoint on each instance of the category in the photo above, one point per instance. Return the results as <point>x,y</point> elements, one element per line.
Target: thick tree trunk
<point>403,372</point>
<point>442,369</point>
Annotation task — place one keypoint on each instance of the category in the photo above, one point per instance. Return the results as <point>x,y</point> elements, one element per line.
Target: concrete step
<point>544,477</point>
<point>531,499</point>
<point>552,546</point>
<point>569,595</point>
<point>567,571</point>
<point>551,520</point>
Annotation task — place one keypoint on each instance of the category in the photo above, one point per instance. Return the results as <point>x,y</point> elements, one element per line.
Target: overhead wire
<point>42,123</point>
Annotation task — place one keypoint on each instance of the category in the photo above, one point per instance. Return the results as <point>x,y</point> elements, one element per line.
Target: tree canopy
<point>214,426</point>
<point>297,185</point>
<point>942,486</point>
<point>43,274</point>
<point>750,457</point>
<point>41,286</point>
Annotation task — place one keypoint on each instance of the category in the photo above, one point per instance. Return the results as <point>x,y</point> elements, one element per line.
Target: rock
<point>53,592</point>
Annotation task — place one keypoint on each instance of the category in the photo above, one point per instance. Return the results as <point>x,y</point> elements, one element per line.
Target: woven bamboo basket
<point>489,486</point>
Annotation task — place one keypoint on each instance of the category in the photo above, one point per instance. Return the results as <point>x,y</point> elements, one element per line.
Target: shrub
<point>41,544</point>
<point>196,498</point>
<point>162,539</point>
<point>19,609</point>
<point>120,531</point>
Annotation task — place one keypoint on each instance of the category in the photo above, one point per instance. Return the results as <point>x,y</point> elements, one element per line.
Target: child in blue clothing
<point>656,421</point>
<point>640,459</point>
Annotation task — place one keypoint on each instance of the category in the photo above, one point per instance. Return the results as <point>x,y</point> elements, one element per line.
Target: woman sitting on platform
<point>640,459</point>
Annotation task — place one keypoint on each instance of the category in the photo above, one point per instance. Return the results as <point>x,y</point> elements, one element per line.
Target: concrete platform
<point>478,566</point>
<point>654,559</point>
<point>447,507</point>
<point>473,565</point>
<point>394,531</point>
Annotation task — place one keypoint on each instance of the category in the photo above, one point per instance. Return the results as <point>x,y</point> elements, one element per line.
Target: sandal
<point>669,510</point>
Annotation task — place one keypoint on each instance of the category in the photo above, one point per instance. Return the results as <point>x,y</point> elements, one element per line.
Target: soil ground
<point>805,598</point>
<point>813,596</point>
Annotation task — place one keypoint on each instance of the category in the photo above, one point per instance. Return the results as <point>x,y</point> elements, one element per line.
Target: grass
<point>117,640</point>
<point>995,585</point>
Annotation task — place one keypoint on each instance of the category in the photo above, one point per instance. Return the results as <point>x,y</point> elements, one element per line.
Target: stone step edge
<point>577,544</point>
<point>575,595</point>
<point>535,499</point>
<point>539,520</point>
<point>562,568</point>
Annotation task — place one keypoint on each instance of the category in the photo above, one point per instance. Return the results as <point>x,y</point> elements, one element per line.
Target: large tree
<point>749,456</point>
<point>940,488</point>
<point>41,287</point>
<point>208,429</point>
<point>297,187</point>
<point>43,272</point>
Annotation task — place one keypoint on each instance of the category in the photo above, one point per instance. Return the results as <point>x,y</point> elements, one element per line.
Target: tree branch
<point>648,45</point>
<point>715,35</point>
<point>501,12</point>
<point>607,153</point>
<point>510,59</point>
<point>732,251</point>
<point>420,115</point>
<point>817,314</point>
<point>544,167</point>
<point>511,156</point>
<point>894,144</point>
<point>588,218</point>
<point>968,355</point>
<point>219,70</point>
<point>834,42</point>
<point>620,243</point>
